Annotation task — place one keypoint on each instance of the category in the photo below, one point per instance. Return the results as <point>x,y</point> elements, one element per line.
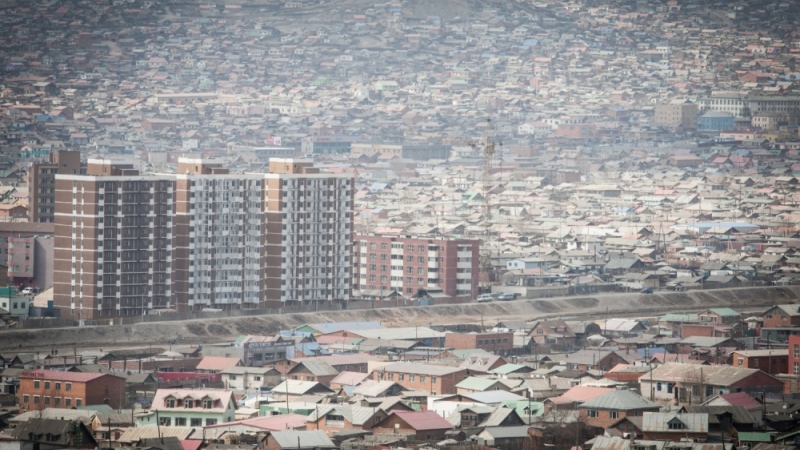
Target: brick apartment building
<point>438,380</point>
<point>773,361</point>
<point>40,389</point>
<point>41,183</point>
<point>491,342</point>
<point>382,264</point>
<point>127,243</point>
<point>112,242</point>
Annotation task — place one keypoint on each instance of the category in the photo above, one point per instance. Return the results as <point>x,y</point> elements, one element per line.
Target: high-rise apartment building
<point>41,183</point>
<point>113,242</point>
<point>307,239</point>
<point>407,264</point>
<point>218,251</point>
<point>202,238</point>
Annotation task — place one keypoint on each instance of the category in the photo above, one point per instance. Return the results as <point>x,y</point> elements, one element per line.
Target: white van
<point>485,298</point>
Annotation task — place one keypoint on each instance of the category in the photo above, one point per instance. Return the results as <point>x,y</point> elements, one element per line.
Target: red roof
<point>55,375</point>
<point>580,394</point>
<point>217,363</point>
<point>741,399</point>
<point>423,420</point>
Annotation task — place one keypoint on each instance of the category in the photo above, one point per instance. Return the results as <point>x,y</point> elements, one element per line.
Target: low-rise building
<point>41,389</point>
<point>189,407</point>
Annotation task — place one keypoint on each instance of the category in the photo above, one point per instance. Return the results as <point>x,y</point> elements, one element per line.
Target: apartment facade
<point>307,234</point>
<point>217,242</point>
<point>407,264</point>
<point>28,251</point>
<point>113,242</point>
<point>676,113</point>
<point>41,182</point>
<point>127,243</point>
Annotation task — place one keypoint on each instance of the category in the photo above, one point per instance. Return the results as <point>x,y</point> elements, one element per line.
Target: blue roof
<point>650,351</point>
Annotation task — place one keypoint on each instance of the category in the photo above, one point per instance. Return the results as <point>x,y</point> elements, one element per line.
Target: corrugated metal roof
<point>422,420</point>
<point>296,387</point>
<point>620,401</point>
<point>476,383</point>
<point>721,375</point>
<point>505,432</point>
<point>134,435</point>
<point>303,439</point>
<point>675,423</point>
<point>317,367</point>
<point>421,369</point>
<point>372,388</point>
<point>740,415</point>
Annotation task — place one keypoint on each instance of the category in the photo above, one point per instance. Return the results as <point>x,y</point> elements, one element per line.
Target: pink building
<point>408,264</point>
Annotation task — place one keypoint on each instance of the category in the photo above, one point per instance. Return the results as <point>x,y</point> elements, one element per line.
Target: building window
<point>180,421</point>
<point>658,386</point>
<point>592,413</point>
<point>68,386</point>
<point>196,422</point>
<point>165,421</point>
<point>614,414</point>
<point>78,402</point>
<point>740,362</point>
<point>211,422</point>
<point>67,402</point>
<point>36,399</point>
<point>27,398</point>
<point>47,385</point>
<point>58,385</point>
<point>36,384</point>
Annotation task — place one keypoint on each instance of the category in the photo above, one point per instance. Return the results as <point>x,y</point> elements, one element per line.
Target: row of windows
<point>402,377</point>
<point>38,383</point>
<point>57,401</point>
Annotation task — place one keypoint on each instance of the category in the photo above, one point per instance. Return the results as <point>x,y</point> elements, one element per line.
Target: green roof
<point>724,312</point>
<point>537,408</point>
<point>508,368</point>
<point>7,291</point>
<point>476,384</point>
<point>754,437</point>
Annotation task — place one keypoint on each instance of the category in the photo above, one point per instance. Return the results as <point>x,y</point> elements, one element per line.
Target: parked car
<point>507,297</point>
<point>27,292</point>
<point>484,298</point>
<point>647,291</point>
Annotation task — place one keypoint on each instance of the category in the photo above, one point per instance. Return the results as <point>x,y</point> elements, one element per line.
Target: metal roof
<point>665,422</point>
<point>476,383</point>
<point>520,431</point>
<point>134,435</point>
<point>721,375</point>
<point>620,401</point>
<point>311,439</point>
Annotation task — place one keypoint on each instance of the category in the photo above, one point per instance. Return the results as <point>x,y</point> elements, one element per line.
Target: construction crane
<point>486,253</point>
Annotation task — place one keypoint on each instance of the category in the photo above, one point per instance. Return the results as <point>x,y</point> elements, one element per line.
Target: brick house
<point>720,316</point>
<point>313,370</point>
<point>794,355</point>
<point>782,316</point>
<point>770,361</point>
<point>438,380</point>
<point>658,426</point>
<point>422,425</point>
<point>334,418</point>
<point>552,332</point>
<point>692,384</point>
<point>42,389</point>
<point>491,342</point>
<point>606,409</point>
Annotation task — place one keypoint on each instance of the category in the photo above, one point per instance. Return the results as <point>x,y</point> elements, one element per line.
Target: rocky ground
<point>224,329</point>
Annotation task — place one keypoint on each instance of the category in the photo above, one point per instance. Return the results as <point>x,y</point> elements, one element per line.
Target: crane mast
<point>486,254</point>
